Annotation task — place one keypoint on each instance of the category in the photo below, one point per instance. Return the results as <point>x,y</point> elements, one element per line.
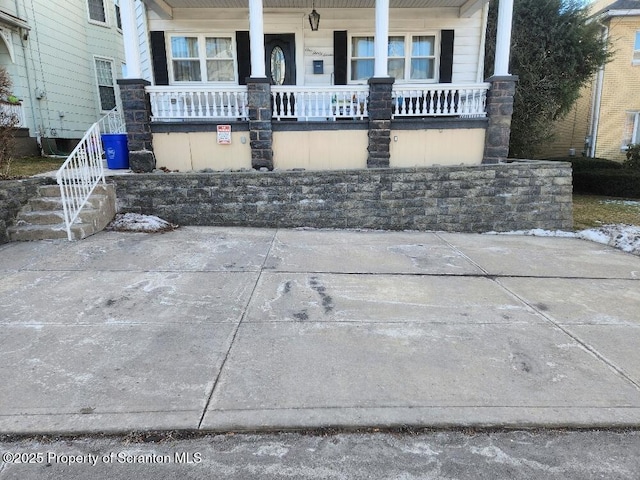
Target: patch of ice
<point>136,222</point>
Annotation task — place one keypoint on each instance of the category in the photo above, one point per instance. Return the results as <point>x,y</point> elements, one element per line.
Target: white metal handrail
<point>440,100</point>
<point>317,102</point>
<point>80,174</point>
<point>198,103</point>
<point>112,122</point>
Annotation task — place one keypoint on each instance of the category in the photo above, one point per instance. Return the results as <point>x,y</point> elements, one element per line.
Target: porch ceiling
<point>319,3</point>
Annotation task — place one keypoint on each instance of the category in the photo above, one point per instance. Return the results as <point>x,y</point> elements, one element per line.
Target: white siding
<point>60,63</point>
<point>319,45</point>
<point>143,38</point>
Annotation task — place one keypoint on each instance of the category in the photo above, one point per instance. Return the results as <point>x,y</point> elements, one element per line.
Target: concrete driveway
<point>246,329</point>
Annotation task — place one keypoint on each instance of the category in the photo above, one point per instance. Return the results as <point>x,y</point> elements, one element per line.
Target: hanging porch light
<point>314,18</point>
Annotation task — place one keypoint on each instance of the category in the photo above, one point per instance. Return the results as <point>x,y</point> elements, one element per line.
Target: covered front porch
<point>378,82</point>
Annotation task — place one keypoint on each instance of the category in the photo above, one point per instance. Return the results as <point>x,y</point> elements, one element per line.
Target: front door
<point>280,58</point>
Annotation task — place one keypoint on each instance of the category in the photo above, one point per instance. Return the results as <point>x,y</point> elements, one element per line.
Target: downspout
<point>480,76</point>
<point>596,100</point>
<point>26,72</point>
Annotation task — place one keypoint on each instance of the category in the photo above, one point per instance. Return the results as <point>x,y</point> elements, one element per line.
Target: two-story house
<point>63,57</point>
<point>606,118</point>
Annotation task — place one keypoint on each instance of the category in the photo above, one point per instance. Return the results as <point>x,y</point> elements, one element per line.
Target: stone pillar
<point>499,111</point>
<point>380,111</point>
<point>260,131</point>
<point>137,116</point>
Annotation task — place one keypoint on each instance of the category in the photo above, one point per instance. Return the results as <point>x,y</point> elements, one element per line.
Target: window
<point>631,130</point>
<point>410,57</point>
<point>362,58</point>
<point>96,11</point>
<point>196,58</point>
<point>636,50</point>
<point>106,87</point>
<point>118,18</point>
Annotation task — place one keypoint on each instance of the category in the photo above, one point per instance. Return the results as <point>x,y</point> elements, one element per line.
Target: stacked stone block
<point>260,130</point>
<point>137,113</point>
<point>496,197</point>
<point>380,111</point>
<point>499,111</point>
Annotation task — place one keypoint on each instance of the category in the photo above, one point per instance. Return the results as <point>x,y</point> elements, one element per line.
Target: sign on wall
<point>224,134</point>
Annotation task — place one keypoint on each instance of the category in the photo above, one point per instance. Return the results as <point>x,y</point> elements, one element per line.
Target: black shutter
<point>159,58</point>
<point>446,56</point>
<point>340,57</point>
<point>243,52</point>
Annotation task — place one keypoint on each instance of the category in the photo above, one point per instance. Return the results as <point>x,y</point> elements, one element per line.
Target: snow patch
<point>136,222</point>
<point>623,237</point>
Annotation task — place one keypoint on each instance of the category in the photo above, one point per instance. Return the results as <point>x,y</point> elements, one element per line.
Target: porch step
<point>42,217</point>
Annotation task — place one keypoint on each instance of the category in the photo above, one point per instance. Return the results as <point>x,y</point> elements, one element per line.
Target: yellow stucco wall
<point>200,150</point>
<point>320,150</point>
<point>621,88</point>
<point>421,148</point>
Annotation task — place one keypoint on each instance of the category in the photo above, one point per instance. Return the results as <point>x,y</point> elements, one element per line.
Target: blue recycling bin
<point>116,150</point>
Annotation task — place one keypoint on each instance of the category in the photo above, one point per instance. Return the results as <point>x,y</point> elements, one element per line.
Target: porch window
<point>410,57</point>
<point>636,50</point>
<point>106,86</point>
<point>631,130</point>
<point>96,11</point>
<point>199,57</point>
<point>362,58</point>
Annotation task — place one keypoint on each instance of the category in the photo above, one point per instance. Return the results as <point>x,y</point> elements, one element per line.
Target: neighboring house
<point>606,118</point>
<point>64,57</point>
<point>304,84</point>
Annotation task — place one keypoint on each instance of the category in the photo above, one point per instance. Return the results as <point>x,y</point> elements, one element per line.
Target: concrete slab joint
<point>500,112</point>
<point>260,129</point>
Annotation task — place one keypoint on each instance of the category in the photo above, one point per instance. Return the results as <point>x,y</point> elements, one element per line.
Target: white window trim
<point>97,22</point>
<point>407,57</point>
<point>202,58</point>
<point>113,78</point>
<point>116,4</point>
<point>635,61</point>
<point>635,135</point>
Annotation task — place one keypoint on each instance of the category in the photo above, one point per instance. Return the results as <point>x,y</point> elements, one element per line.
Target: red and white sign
<point>224,134</point>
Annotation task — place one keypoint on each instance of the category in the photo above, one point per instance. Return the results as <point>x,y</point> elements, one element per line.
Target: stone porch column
<point>380,111</point>
<point>499,111</point>
<point>259,94</point>
<point>136,108</point>
<point>501,92</point>
<point>260,130</point>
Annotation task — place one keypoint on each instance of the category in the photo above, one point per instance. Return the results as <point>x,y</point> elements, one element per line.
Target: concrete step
<point>55,203</point>
<point>27,233</point>
<point>53,217</point>
<point>43,218</point>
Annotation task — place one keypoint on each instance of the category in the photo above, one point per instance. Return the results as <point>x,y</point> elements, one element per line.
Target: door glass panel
<point>277,66</point>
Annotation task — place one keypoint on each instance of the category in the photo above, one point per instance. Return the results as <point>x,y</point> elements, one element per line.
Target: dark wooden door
<point>280,58</point>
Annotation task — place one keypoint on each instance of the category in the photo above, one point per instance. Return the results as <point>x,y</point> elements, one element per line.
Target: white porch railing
<point>440,100</point>
<point>198,103</point>
<point>317,102</point>
<point>15,110</point>
<point>80,174</point>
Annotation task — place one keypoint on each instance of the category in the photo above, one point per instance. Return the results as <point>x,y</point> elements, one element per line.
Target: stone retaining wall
<point>14,194</point>
<point>498,197</point>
